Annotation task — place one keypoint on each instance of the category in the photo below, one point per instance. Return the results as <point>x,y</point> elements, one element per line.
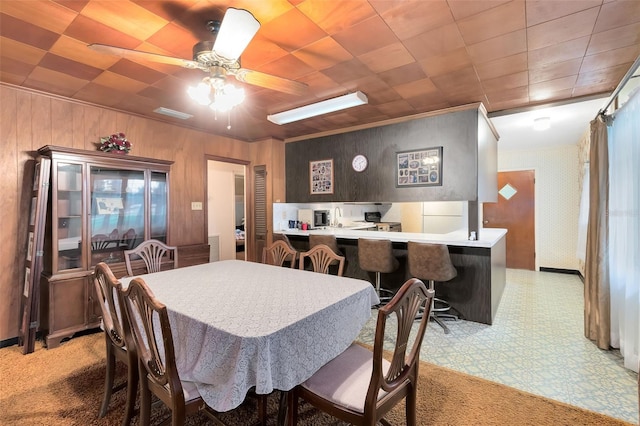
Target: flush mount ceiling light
<point>319,108</point>
<point>541,123</point>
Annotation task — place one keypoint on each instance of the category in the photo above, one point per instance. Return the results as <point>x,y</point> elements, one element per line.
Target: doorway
<point>225,210</point>
<point>515,212</point>
<point>239,216</point>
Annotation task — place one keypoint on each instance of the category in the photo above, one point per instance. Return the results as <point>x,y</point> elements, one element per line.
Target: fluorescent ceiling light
<point>319,108</point>
<point>542,123</point>
<point>173,113</point>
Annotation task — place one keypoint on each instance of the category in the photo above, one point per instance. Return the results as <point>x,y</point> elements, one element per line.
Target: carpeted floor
<point>64,386</point>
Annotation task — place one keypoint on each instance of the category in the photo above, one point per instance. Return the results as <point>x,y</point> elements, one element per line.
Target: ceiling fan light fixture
<point>319,108</point>
<point>226,98</point>
<point>237,29</point>
<point>200,93</point>
<point>218,97</point>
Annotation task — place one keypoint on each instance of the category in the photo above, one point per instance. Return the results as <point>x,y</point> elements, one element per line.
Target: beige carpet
<point>64,386</point>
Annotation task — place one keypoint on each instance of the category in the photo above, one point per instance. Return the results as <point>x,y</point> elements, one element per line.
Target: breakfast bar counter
<point>474,293</point>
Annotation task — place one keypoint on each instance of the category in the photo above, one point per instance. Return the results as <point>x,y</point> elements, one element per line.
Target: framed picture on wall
<point>109,205</point>
<point>422,167</point>
<point>321,176</point>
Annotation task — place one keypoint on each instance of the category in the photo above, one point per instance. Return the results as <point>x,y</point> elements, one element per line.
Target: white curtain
<point>624,230</point>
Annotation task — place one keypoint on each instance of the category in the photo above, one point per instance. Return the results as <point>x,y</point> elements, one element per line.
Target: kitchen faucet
<point>336,211</point>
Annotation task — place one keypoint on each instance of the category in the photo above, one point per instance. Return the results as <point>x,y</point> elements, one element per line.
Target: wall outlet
<point>196,205</point>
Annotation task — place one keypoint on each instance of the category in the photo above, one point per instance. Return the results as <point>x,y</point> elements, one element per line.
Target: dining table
<point>240,325</point>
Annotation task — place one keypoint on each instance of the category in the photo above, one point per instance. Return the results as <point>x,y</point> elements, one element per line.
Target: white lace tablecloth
<point>240,324</point>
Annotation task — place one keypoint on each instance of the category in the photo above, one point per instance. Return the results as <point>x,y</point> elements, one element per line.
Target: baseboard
<point>562,271</point>
<point>8,342</point>
<point>14,340</point>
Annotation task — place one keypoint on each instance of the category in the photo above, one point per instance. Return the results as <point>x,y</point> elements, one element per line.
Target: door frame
<point>536,195</point>
<point>248,219</point>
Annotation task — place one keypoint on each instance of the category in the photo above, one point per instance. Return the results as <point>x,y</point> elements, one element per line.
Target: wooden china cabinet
<point>100,204</point>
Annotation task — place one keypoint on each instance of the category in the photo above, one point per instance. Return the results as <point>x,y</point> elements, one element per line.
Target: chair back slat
<point>322,257</point>
<point>278,253</point>
<point>155,254</point>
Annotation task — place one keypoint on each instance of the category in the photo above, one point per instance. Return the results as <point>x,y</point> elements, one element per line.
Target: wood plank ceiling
<point>408,57</point>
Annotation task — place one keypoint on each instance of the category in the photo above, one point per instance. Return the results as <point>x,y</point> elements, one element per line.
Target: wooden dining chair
<point>321,258</point>
<point>128,239</point>
<point>151,333</point>
<point>282,237</point>
<point>156,255</point>
<point>278,253</point>
<point>360,386</point>
<point>100,242</point>
<point>115,323</point>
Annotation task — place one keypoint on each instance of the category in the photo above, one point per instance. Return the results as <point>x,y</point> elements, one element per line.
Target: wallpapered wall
<point>557,200</point>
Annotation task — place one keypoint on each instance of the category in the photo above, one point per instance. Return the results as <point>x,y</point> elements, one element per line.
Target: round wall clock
<point>359,163</point>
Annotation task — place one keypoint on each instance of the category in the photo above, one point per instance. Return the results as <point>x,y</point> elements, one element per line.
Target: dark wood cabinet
<point>100,204</point>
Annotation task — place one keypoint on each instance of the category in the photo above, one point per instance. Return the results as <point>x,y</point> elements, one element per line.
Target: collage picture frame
<point>421,167</point>
<point>321,176</point>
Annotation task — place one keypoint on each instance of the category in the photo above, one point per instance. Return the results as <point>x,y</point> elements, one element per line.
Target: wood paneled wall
<point>30,120</point>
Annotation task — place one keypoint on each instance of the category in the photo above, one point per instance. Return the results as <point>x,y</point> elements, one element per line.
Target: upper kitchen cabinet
<point>100,205</point>
<point>467,169</point>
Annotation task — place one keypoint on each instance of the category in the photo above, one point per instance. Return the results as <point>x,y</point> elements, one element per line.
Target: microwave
<point>320,218</point>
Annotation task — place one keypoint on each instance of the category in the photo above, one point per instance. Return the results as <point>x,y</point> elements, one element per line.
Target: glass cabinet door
<point>117,212</point>
<point>159,206</point>
<point>68,199</point>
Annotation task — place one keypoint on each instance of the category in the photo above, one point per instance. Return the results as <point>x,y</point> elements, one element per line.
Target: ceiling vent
<point>173,113</point>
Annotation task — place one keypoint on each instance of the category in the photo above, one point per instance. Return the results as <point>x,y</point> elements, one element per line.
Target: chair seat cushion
<point>345,379</point>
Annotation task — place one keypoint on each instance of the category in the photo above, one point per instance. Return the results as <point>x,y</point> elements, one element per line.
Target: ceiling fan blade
<point>270,81</point>
<point>236,31</point>
<point>137,54</point>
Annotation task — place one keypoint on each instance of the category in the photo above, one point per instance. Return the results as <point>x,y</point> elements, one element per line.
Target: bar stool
<point>432,262</point>
<point>327,240</point>
<point>377,256</point>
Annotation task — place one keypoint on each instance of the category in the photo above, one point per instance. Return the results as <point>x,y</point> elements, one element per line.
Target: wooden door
<point>260,210</point>
<point>515,211</point>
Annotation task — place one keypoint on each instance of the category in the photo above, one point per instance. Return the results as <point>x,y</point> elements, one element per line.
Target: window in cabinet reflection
<point>159,206</point>
<point>117,213</point>
<point>69,206</point>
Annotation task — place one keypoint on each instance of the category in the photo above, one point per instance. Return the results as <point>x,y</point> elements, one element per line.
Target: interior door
<point>515,211</point>
<point>260,209</point>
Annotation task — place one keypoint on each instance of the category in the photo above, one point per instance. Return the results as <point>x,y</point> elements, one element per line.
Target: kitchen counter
<point>488,236</point>
<point>474,293</point>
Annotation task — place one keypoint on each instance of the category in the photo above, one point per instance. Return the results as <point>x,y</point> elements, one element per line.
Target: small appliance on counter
<point>305,216</point>
<point>376,217</point>
<point>320,218</point>
<point>314,219</point>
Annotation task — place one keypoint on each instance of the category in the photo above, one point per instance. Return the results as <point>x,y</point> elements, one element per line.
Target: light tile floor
<point>536,344</point>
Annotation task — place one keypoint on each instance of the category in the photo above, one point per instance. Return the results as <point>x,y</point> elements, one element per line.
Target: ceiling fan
<point>219,57</point>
